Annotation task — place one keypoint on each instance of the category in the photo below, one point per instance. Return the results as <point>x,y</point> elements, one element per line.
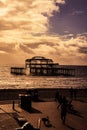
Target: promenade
<point>76,120</point>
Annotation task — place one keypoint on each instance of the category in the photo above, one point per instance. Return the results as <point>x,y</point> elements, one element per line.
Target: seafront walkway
<point>76,120</point>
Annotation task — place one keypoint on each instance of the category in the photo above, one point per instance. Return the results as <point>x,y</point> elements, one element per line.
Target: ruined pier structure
<point>41,66</point>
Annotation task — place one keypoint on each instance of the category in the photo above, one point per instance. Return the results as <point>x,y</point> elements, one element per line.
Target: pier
<point>18,70</point>
<point>41,66</point>
<point>46,67</point>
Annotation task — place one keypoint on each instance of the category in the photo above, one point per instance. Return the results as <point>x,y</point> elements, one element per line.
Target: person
<point>57,96</point>
<point>75,93</point>
<point>35,95</point>
<point>60,100</point>
<point>63,112</point>
<point>13,105</point>
<point>64,100</point>
<point>71,93</point>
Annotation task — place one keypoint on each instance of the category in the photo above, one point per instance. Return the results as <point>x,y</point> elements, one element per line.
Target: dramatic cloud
<point>83,50</point>
<point>26,49</point>
<point>60,48</point>
<point>25,32</point>
<point>7,48</point>
<point>27,16</point>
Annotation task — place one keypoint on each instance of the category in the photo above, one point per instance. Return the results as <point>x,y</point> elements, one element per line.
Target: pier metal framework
<point>41,66</point>
<point>45,67</point>
<point>17,70</point>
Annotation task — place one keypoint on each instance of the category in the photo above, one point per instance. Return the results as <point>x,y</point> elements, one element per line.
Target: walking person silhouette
<point>63,111</point>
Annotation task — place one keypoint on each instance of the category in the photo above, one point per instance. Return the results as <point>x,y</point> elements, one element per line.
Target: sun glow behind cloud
<point>24,32</point>
<point>21,18</point>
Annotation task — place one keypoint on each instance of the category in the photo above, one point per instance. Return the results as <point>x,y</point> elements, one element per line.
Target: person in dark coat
<point>63,112</point>
<point>75,93</point>
<point>57,96</point>
<point>71,93</point>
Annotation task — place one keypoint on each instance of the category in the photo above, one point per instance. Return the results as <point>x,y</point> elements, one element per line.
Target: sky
<point>55,29</point>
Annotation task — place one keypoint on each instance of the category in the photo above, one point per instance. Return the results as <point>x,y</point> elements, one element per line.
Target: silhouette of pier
<point>18,70</point>
<point>41,66</point>
<point>45,67</point>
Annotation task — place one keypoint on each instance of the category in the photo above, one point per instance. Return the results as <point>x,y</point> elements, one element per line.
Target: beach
<point>46,106</point>
<point>43,64</point>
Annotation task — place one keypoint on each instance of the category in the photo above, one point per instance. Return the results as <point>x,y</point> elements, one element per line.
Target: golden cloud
<point>28,16</point>
<point>24,27</point>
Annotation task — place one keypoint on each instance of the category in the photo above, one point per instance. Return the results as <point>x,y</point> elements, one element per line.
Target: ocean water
<point>8,80</point>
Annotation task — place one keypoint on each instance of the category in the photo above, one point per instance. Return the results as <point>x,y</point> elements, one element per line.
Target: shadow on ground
<point>33,110</point>
<point>70,127</point>
<point>75,112</point>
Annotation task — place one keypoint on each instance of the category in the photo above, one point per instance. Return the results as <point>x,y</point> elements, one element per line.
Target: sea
<point>9,81</point>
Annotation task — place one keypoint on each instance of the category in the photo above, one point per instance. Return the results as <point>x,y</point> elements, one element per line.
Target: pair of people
<point>62,105</point>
